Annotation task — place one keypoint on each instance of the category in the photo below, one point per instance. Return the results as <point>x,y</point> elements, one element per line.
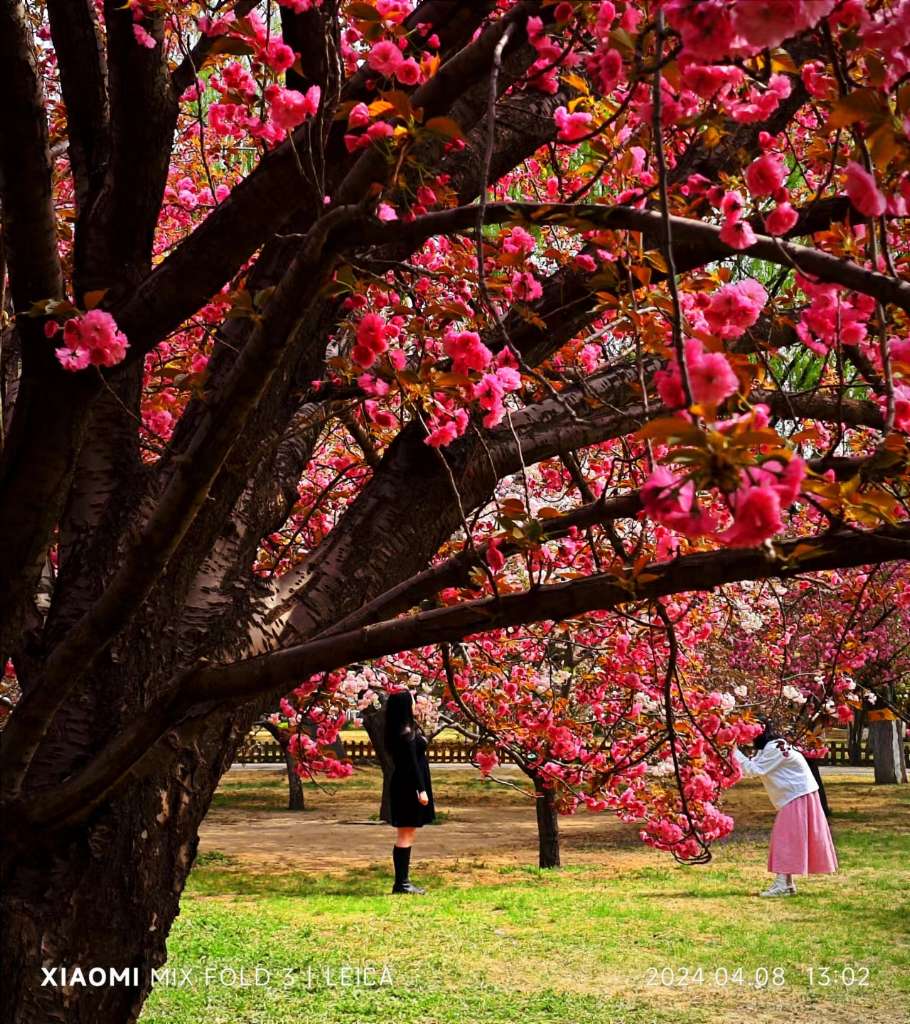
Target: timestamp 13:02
<point>818,976</point>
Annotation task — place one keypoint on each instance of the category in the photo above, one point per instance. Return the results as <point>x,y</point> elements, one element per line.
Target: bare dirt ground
<point>478,822</point>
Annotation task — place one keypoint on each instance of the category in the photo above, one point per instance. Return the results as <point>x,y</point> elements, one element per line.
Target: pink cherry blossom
<point>359,116</point>
<point>495,558</point>
<point>765,175</point>
<point>816,80</point>
<point>379,130</point>
<point>372,332</point>
<point>756,517</point>
<point>468,352</point>
<point>289,108</point>
<point>900,350</point>
<point>525,286</point>
<point>712,378</point>
<point>143,38</point>
<point>444,433</point>
<point>733,309</point>
<point>863,191</point>
<point>441,436</point>
<point>518,241</point>
<point>732,206</point>
<point>781,219</point>
<point>737,234</point>
<point>381,417</point>
<point>572,127</point>
<point>671,501</point>
<point>279,56</point>
<point>764,23</point>
<point>490,390</point>
<point>844,714</point>
<point>585,262</point>
<point>605,66</point>
<point>705,26</point>
<point>833,314</point>
<point>669,387</point>
<point>408,72</point>
<point>384,58</point>
<point>92,339</point>
<point>901,407</point>
<point>300,6</point>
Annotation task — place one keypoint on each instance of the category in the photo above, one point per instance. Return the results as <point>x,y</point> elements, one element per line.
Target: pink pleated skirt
<point>801,841</point>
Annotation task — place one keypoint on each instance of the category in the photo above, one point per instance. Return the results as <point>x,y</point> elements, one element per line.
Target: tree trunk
<point>817,775</point>
<point>106,894</point>
<point>295,786</point>
<point>547,827</point>
<point>886,741</point>
<point>855,737</point>
<point>374,724</point>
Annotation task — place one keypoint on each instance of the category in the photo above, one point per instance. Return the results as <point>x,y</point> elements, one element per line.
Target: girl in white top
<point>800,840</point>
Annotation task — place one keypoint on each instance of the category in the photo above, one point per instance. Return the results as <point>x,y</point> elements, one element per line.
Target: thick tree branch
<point>83,80</point>
<point>180,502</point>
<point>204,688</point>
<point>805,259</point>
<point>119,229</point>
<point>266,198</point>
<point>702,571</point>
<point>455,571</point>
<point>29,228</point>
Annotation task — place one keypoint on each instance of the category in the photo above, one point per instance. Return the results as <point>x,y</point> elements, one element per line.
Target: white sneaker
<point>780,888</point>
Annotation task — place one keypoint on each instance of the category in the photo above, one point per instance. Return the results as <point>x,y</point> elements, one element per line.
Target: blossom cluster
<point>91,339</point>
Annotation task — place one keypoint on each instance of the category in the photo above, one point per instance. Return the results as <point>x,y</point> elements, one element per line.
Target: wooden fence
<point>457,752</point>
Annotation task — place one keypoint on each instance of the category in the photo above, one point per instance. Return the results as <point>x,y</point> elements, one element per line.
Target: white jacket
<point>782,769</point>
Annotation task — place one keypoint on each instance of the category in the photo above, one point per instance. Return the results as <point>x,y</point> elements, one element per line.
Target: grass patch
<point>628,938</point>
<point>210,858</point>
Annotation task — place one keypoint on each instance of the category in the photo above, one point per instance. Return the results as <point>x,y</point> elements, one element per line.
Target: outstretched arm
<point>760,764</point>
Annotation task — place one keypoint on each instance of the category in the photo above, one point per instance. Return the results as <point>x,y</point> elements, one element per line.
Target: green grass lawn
<point>496,942</point>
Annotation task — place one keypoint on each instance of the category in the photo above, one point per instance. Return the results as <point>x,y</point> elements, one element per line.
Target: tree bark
<point>295,787</point>
<point>855,737</point>
<point>547,827</point>
<point>106,893</point>
<point>374,724</point>
<point>817,775</point>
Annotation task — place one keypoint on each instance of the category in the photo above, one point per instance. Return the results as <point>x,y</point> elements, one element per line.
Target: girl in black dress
<point>410,791</point>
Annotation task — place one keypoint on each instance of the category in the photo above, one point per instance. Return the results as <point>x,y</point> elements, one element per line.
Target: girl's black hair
<point>399,716</point>
<point>765,737</point>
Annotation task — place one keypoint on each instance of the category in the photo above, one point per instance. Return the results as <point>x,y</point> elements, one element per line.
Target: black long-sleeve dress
<point>410,775</point>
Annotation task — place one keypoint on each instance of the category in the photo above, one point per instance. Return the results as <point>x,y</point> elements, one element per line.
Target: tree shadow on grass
<point>375,880</point>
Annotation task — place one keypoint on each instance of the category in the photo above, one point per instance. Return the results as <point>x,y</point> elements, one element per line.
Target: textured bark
<point>374,724</point>
<point>547,827</point>
<point>295,787</point>
<point>107,894</point>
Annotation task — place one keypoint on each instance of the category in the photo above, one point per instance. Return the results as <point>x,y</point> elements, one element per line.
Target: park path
<point>339,832</point>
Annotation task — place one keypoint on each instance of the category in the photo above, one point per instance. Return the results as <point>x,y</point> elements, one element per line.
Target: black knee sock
<point>401,858</point>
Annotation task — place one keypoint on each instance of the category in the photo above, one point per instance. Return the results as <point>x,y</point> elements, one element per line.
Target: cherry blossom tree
<point>340,331</point>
